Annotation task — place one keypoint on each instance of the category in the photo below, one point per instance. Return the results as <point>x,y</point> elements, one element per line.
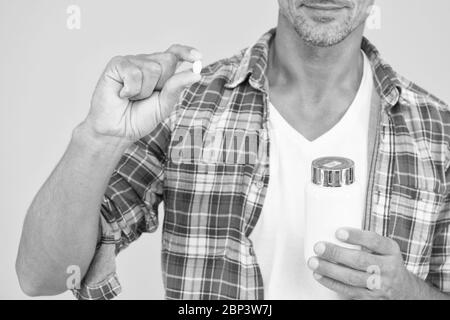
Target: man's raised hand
<point>136,93</point>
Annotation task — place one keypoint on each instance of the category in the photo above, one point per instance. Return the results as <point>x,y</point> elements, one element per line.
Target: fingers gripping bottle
<point>333,199</point>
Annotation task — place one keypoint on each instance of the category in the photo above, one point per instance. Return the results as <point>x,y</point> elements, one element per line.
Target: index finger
<point>170,60</point>
<point>185,53</point>
<point>355,259</point>
<point>370,240</point>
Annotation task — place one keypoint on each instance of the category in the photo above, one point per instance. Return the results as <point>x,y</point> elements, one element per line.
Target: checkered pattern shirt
<point>213,190</point>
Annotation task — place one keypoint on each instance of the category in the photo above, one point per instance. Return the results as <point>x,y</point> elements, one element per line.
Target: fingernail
<point>319,248</point>
<point>342,234</point>
<point>313,263</point>
<point>317,276</point>
<point>196,55</point>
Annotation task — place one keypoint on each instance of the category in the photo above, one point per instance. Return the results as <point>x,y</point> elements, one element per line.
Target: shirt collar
<point>387,82</point>
<point>254,64</point>
<point>254,60</point>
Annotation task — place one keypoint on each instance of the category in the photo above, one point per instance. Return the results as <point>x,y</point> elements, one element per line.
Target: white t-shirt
<point>278,235</point>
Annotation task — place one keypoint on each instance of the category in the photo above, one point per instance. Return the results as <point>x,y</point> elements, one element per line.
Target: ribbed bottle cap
<point>333,172</point>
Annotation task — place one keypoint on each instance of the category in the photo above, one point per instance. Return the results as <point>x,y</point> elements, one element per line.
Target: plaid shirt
<point>213,192</point>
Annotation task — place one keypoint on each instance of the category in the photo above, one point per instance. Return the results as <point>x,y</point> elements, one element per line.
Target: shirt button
<point>260,184</point>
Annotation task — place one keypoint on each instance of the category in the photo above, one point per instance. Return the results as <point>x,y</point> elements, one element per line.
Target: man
<point>229,160</point>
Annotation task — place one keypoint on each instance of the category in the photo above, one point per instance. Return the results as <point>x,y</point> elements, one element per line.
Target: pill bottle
<point>333,199</point>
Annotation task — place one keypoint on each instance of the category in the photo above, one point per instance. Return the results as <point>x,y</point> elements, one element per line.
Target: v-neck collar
<point>352,111</point>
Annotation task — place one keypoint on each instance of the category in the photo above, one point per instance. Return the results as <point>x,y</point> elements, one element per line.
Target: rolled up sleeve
<point>129,208</point>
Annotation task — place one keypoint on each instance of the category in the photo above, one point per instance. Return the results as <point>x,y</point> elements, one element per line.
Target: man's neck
<point>317,74</point>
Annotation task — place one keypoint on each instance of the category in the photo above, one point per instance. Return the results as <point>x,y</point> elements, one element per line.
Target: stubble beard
<point>322,35</point>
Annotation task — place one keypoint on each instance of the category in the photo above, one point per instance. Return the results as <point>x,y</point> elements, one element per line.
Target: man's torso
<point>209,163</point>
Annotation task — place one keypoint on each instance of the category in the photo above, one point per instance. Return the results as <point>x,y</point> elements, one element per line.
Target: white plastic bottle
<point>333,199</point>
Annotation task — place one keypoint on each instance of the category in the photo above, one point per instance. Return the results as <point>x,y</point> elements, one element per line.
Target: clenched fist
<point>136,93</point>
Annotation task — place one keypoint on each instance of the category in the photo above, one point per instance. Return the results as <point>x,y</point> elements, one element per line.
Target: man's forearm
<point>61,227</point>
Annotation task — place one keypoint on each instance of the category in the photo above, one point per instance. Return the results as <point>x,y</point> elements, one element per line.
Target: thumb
<point>170,93</point>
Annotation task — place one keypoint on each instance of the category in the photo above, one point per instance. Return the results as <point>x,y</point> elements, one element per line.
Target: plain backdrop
<point>48,72</point>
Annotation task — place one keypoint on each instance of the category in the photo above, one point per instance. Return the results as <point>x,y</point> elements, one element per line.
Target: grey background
<point>47,74</point>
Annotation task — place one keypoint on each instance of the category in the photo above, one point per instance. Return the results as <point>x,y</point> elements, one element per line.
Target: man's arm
<point>61,227</point>
<point>134,94</point>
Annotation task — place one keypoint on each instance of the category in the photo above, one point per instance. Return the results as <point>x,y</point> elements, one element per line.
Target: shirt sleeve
<point>439,273</point>
<point>129,208</point>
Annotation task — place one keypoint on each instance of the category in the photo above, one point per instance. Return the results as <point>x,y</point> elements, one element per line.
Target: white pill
<point>197,67</point>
